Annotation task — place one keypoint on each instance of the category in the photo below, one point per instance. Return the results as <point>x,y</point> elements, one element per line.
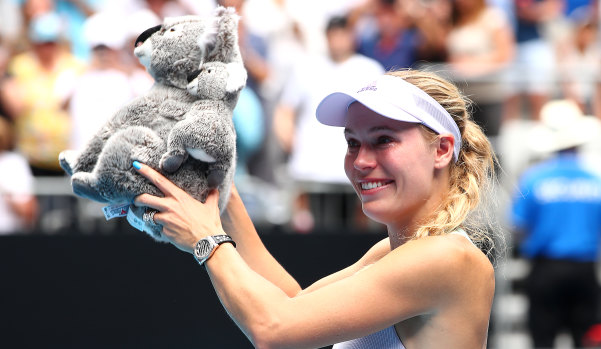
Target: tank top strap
<point>460,231</point>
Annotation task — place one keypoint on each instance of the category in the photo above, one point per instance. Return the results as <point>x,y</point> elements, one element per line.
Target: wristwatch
<point>205,247</point>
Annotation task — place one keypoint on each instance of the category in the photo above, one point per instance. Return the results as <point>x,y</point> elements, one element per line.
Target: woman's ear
<point>444,150</point>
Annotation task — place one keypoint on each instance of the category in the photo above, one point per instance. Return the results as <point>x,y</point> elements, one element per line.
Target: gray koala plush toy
<point>181,127</point>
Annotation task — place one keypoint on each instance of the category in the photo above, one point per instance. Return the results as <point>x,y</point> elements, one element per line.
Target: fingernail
<point>137,165</point>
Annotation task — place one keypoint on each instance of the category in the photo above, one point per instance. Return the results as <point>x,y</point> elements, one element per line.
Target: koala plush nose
<point>193,75</point>
<point>146,34</point>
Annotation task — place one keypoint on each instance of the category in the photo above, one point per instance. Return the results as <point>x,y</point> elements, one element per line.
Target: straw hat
<point>562,126</point>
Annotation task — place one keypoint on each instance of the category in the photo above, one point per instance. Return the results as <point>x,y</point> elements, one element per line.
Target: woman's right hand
<point>185,220</point>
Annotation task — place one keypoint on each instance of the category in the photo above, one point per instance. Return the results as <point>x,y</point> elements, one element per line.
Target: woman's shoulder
<point>432,274</point>
<point>453,257</point>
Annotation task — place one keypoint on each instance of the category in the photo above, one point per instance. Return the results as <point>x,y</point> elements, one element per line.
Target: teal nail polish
<point>137,165</point>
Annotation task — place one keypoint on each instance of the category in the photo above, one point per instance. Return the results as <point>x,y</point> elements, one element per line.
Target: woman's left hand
<point>185,220</point>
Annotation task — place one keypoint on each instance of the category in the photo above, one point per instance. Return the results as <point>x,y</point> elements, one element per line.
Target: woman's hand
<point>185,220</point>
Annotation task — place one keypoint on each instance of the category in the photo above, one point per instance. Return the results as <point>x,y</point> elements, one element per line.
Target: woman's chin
<point>375,212</point>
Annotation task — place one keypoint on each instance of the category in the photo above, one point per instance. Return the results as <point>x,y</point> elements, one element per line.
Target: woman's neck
<point>404,229</point>
<point>399,236</point>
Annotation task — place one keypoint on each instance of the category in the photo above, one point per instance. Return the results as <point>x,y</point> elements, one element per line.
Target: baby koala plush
<point>181,127</point>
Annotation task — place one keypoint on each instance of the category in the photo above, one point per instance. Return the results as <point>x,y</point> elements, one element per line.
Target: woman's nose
<point>365,159</point>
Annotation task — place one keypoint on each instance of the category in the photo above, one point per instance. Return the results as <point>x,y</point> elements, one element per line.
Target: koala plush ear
<point>208,39</point>
<point>236,77</point>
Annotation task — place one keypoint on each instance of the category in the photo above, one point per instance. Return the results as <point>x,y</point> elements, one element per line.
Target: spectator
<point>260,197</point>
<point>580,61</point>
<point>166,8</point>
<point>18,205</point>
<point>480,48</point>
<point>249,123</point>
<point>533,71</point>
<point>255,50</point>
<point>597,100</point>
<point>72,15</point>
<point>43,77</point>
<point>433,20</point>
<point>105,86</point>
<point>137,23</point>
<point>558,211</point>
<point>573,6</point>
<point>400,36</point>
<point>6,89</point>
<point>11,23</point>
<point>295,123</point>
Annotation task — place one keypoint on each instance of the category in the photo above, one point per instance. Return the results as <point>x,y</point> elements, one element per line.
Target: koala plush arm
<point>205,134</point>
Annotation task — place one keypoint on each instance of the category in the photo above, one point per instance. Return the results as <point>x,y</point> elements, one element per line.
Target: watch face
<point>203,249</point>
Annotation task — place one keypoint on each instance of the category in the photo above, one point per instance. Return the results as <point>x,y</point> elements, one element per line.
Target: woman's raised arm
<point>238,225</point>
<point>420,277</point>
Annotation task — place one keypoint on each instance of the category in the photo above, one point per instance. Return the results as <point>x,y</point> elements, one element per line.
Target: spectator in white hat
<point>105,86</point>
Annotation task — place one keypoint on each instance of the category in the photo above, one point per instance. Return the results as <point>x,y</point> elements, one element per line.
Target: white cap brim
<point>394,98</point>
<point>333,108</point>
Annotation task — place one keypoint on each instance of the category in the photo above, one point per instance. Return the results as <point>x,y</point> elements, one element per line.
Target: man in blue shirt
<point>558,211</point>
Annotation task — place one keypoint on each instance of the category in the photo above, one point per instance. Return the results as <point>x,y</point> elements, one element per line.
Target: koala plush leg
<point>225,187</point>
<point>67,159</point>
<point>215,178</point>
<point>113,178</point>
<point>85,185</point>
<point>172,161</point>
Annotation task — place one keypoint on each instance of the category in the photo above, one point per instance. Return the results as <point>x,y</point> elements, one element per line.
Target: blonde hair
<point>471,176</point>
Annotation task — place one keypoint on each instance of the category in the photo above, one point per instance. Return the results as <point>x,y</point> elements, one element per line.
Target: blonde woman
<point>418,164</point>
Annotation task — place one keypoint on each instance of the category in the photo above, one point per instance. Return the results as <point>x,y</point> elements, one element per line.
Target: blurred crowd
<point>67,65</point>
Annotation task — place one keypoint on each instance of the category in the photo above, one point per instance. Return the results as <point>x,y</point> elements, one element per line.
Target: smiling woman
<point>426,102</point>
<point>419,165</point>
<point>390,164</point>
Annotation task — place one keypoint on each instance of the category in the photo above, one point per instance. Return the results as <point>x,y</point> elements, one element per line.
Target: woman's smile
<point>372,186</point>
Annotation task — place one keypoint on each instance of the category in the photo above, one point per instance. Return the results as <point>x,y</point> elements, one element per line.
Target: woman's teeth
<point>371,185</point>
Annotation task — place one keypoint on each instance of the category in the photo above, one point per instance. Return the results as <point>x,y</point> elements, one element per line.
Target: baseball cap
<point>394,98</point>
<point>45,28</point>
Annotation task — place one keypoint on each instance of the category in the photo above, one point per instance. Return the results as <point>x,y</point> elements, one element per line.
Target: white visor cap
<point>394,98</point>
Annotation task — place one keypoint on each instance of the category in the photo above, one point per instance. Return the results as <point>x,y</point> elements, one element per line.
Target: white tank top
<point>386,338</point>
<point>383,339</point>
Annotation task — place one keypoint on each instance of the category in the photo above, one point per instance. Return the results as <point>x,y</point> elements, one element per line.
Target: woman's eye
<point>383,140</point>
<point>351,143</point>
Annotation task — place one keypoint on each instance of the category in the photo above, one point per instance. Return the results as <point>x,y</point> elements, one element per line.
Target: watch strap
<point>219,239</point>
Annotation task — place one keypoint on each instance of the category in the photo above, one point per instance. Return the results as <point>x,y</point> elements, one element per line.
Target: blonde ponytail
<point>471,177</point>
